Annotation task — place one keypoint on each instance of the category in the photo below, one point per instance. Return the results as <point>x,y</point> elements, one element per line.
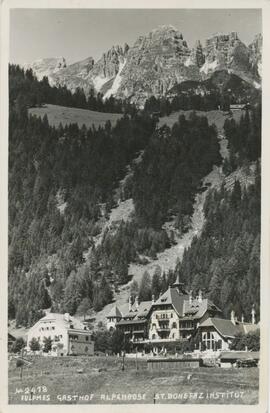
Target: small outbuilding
<point>239,359</point>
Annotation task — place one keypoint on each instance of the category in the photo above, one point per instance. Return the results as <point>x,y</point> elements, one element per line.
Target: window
<point>153,336</point>
<point>53,328</point>
<point>174,325</point>
<point>86,349</point>
<point>208,340</point>
<point>86,338</point>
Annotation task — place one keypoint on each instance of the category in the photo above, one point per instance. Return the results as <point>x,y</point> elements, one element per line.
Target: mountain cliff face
<point>106,72</point>
<point>74,75</point>
<point>155,64</point>
<point>255,56</point>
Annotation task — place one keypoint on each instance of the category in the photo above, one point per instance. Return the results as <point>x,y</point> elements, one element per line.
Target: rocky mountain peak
<point>47,66</point>
<point>106,68</point>
<point>226,52</point>
<point>156,63</point>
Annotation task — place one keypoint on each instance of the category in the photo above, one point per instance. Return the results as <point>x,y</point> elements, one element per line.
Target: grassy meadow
<point>65,115</point>
<point>101,380</point>
<point>214,116</point>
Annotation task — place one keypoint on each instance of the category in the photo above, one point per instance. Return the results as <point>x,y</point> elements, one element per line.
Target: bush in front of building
<point>251,341</point>
<point>34,344</point>
<point>47,344</point>
<point>111,342</point>
<point>18,345</point>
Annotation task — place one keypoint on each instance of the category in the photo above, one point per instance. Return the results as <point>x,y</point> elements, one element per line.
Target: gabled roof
<point>225,327</point>
<point>144,308</point>
<point>198,308</point>
<point>115,312</point>
<point>11,337</point>
<point>130,314</point>
<point>62,321</point>
<point>124,310</point>
<point>172,297</point>
<point>247,327</point>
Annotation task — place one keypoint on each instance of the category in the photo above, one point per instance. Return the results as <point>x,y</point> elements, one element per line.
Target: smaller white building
<point>69,336</point>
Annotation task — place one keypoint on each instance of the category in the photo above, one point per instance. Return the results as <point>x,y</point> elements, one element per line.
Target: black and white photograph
<point>134,206</point>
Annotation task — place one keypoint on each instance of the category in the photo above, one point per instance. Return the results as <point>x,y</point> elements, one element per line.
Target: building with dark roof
<point>217,333</point>
<point>173,317</point>
<point>176,314</point>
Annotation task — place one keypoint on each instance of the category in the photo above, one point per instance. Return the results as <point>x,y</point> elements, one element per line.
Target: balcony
<point>186,328</point>
<point>163,328</point>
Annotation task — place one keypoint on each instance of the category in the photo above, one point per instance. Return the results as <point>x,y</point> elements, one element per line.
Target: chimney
<point>242,318</point>
<point>129,303</point>
<point>136,302</point>
<point>190,297</point>
<point>153,299</point>
<point>200,296</point>
<point>232,317</point>
<point>253,315</point>
<point>67,317</point>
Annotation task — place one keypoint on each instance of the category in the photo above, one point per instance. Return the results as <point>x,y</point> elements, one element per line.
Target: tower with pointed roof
<point>179,285</point>
<point>113,317</point>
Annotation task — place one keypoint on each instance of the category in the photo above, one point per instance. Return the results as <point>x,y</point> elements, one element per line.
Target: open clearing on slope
<point>102,377</point>
<point>61,114</point>
<point>214,116</point>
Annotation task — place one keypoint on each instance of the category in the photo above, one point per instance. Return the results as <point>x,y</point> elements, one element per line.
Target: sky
<point>79,33</point>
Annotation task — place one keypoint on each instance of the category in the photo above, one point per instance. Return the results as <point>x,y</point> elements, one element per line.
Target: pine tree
<point>84,307</point>
<point>72,294</point>
<point>145,287</point>
<point>156,282</point>
<point>34,344</point>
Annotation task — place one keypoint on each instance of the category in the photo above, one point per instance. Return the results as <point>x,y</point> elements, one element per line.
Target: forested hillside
<point>63,180</point>
<point>58,177</point>
<point>225,260</point>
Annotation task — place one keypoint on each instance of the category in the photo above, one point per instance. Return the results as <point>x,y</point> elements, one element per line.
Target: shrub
<point>18,345</point>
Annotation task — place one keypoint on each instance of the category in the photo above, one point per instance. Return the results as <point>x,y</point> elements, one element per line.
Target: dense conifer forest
<point>225,260</point>
<point>60,177</point>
